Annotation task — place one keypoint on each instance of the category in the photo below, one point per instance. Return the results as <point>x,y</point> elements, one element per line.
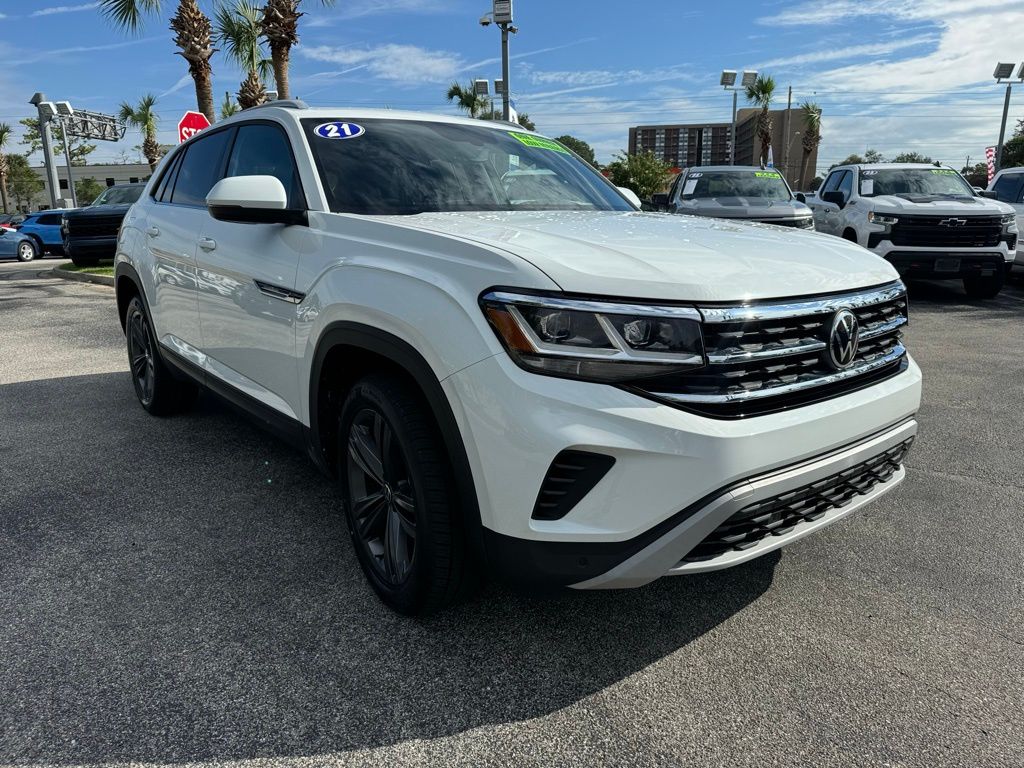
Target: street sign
<point>191,124</point>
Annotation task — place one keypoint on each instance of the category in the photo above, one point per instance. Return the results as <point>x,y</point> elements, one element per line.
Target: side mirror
<point>989,193</point>
<point>800,197</point>
<point>834,196</point>
<point>630,195</point>
<point>252,200</point>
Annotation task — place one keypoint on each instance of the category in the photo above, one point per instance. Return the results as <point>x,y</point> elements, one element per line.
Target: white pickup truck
<point>1008,187</point>
<point>925,220</point>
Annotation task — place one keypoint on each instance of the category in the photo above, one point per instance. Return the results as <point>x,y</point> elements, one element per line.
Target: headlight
<point>805,223</point>
<point>878,218</point>
<point>1008,221</point>
<point>598,341</point>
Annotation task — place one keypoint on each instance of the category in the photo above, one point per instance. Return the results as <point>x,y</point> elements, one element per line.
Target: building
<point>689,144</point>
<point>105,176</point>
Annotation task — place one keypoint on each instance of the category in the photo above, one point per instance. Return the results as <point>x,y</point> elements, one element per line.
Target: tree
<point>912,157</point>
<point>580,147</point>
<point>87,190</point>
<point>853,159</point>
<point>873,156</point>
<point>193,34</point>
<point>228,107</point>
<point>1019,130</point>
<point>280,28</point>
<point>522,118</point>
<point>644,173</point>
<point>760,93</point>
<point>239,28</point>
<point>812,135</point>
<point>22,181</point>
<point>976,175</point>
<point>5,136</point>
<point>466,99</point>
<point>32,139</point>
<point>1013,152</point>
<point>145,118</point>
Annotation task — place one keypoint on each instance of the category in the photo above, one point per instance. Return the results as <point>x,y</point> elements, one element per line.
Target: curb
<point>83,277</point>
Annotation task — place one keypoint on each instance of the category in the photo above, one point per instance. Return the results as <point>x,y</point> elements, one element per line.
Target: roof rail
<point>283,103</point>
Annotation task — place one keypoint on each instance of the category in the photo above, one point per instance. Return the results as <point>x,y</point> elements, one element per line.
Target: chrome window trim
<point>755,312</point>
<point>738,397</point>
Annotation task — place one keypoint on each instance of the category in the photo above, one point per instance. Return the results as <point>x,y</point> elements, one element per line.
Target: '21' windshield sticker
<point>339,130</point>
<point>538,142</point>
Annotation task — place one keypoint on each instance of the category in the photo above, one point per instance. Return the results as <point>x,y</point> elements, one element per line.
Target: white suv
<point>923,219</point>
<point>508,368</point>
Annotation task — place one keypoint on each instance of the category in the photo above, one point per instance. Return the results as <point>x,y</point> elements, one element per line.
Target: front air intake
<point>571,476</point>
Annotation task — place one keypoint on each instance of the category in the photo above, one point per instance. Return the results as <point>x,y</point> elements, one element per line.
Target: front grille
<point>947,231</point>
<point>765,357</point>
<point>94,226</point>
<point>779,515</point>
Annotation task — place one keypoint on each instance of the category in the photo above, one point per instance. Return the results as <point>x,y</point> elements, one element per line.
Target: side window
<point>50,220</point>
<point>832,181</point>
<point>1008,187</point>
<point>846,184</point>
<point>263,150</point>
<point>167,180</point>
<point>200,169</point>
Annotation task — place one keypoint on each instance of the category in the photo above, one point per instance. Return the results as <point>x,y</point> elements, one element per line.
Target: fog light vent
<point>571,476</point>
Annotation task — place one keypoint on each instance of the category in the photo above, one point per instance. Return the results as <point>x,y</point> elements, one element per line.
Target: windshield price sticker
<point>867,187</point>
<point>339,130</point>
<point>767,175</point>
<point>943,172</point>
<point>538,143</point>
<point>690,185</point>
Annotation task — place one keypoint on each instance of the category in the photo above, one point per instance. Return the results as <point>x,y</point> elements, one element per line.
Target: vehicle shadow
<point>950,295</point>
<point>183,590</point>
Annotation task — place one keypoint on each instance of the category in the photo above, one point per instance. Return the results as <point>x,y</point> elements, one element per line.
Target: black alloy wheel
<point>381,497</point>
<point>140,354</point>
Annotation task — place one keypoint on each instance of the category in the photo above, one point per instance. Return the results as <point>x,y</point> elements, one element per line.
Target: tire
<point>27,251</point>
<point>985,287</point>
<point>158,391</point>
<point>850,235</point>
<point>396,479</point>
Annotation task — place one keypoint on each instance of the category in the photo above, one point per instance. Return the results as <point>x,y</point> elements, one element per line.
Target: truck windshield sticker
<point>867,187</point>
<point>339,130</point>
<point>868,173</point>
<point>767,175</point>
<point>943,172</point>
<point>695,175</point>
<point>539,143</point>
<point>690,185</point>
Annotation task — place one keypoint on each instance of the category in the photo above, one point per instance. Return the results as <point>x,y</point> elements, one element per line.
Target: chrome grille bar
<point>757,312</point>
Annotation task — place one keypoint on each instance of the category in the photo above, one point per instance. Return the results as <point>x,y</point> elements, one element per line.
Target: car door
<point>827,216</point>
<point>247,274</point>
<point>174,221</point>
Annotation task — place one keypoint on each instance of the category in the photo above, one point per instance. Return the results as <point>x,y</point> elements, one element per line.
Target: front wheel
<point>155,386</point>
<point>27,251</point>
<point>985,287</point>
<point>401,505</point>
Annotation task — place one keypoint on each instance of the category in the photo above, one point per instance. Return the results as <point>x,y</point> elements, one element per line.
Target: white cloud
<point>399,63</point>
<point>183,81</point>
<point>850,52</point>
<point>48,54</point>
<point>64,9</point>
<point>817,12</point>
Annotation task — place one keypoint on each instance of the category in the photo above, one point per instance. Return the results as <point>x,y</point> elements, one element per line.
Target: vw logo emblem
<point>843,340</point>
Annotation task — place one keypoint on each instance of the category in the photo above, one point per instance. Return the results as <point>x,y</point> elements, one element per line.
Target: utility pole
<point>732,144</point>
<point>786,136</point>
<point>501,14</point>
<point>505,113</point>
<point>1004,73</point>
<point>1002,128</point>
<point>38,100</point>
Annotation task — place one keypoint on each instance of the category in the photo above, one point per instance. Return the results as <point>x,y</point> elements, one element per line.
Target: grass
<point>99,270</point>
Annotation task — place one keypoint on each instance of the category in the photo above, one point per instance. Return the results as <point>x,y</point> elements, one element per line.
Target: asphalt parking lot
<point>183,592</point>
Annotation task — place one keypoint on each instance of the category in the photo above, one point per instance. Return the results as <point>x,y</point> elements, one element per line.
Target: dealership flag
<point>990,157</point>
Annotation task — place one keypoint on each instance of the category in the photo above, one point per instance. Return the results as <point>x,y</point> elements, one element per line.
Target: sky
<point>895,76</point>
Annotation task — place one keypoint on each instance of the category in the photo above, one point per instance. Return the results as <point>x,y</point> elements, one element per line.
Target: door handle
<point>207,243</point>
<point>153,231</point>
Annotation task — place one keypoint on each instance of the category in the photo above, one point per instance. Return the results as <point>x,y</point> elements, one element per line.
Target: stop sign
<point>191,124</point>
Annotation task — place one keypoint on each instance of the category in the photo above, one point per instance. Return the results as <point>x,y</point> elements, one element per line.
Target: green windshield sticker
<point>943,172</point>
<point>538,142</point>
<point>767,175</point>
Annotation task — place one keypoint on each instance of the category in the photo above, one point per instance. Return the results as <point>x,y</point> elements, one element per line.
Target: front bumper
<point>96,247</point>
<point>936,263</point>
<point>668,462</point>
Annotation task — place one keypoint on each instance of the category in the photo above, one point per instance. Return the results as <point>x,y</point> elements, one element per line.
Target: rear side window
<point>263,150</point>
<point>50,220</point>
<point>200,169</point>
<point>163,189</point>
<point>1008,187</point>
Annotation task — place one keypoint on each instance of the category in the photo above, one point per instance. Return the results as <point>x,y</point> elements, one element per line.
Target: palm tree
<point>5,136</point>
<point>812,135</point>
<point>239,28</point>
<point>145,118</point>
<point>760,93</point>
<point>281,30</point>
<point>192,34</point>
<point>228,107</point>
<point>467,99</point>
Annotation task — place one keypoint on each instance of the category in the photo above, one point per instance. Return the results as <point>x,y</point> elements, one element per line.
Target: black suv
<point>90,234</point>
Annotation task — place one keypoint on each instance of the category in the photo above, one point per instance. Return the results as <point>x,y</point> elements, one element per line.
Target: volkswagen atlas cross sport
<point>506,365</point>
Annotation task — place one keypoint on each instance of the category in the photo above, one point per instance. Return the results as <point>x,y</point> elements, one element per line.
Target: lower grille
<point>571,476</point>
<point>779,515</point>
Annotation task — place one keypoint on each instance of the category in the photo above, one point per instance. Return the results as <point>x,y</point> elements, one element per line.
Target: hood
<point>745,208</point>
<point>100,210</point>
<point>661,256</point>
<point>939,206</point>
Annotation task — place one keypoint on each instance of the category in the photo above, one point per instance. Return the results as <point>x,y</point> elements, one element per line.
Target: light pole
<point>46,110</point>
<point>65,111</point>
<point>501,14</point>
<point>1004,73</point>
<point>728,82</point>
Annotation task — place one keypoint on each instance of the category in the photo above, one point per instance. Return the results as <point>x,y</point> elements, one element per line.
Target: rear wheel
<point>400,501</point>
<point>985,287</point>
<point>27,250</point>
<point>158,391</point>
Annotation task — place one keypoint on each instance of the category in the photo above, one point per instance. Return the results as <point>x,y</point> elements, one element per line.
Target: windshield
<point>408,167</point>
<point>119,196</point>
<point>914,182</point>
<point>765,185</point>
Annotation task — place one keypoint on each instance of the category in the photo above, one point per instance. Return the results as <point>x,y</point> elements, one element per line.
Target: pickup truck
<point>90,234</point>
<point>925,220</point>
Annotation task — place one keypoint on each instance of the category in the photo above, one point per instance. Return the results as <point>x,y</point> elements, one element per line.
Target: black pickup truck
<point>90,234</point>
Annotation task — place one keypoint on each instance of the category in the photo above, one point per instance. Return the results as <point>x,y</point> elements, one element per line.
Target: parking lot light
<point>728,82</point>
